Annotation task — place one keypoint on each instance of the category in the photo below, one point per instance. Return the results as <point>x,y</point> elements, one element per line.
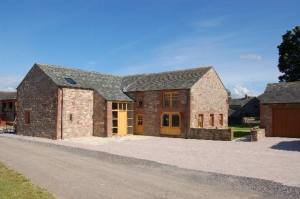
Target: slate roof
<point>180,79</point>
<point>108,86</point>
<point>8,95</point>
<point>284,92</point>
<point>240,101</point>
<point>114,87</point>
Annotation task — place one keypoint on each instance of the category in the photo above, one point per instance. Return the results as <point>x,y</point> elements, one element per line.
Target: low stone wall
<point>257,134</point>
<point>210,134</point>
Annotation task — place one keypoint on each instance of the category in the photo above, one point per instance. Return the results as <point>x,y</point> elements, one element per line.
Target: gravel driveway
<point>276,159</point>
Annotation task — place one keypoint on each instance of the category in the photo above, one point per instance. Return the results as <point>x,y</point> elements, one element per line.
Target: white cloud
<point>251,56</point>
<point>240,91</point>
<point>9,83</point>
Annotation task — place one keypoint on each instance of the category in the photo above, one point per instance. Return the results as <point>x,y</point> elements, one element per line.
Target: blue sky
<point>238,37</point>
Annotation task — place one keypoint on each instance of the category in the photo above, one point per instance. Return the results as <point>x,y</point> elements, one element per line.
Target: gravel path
<point>276,159</point>
<point>78,173</point>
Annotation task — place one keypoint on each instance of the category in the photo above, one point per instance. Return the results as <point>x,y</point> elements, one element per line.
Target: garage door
<point>286,122</point>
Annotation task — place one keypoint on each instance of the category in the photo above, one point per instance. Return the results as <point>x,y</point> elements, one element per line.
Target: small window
<point>140,120</point>
<point>27,117</point>
<point>165,120</point>
<point>10,105</point>
<point>114,106</point>
<point>70,80</point>
<point>115,130</point>
<point>200,120</point>
<point>71,117</point>
<point>167,100</point>
<point>115,114</point>
<point>175,120</point>
<point>3,106</point>
<point>170,99</point>
<point>221,120</point>
<point>174,100</point>
<point>140,102</point>
<point>115,123</point>
<point>212,120</point>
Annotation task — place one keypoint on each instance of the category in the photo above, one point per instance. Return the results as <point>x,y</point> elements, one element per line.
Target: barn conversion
<point>57,102</point>
<point>280,109</point>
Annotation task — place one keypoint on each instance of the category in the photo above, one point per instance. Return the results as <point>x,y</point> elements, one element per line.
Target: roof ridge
<point>75,69</point>
<point>170,71</point>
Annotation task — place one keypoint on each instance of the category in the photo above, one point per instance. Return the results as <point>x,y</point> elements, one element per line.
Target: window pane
<point>115,123</point>
<point>212,120</point>
<point>114,106</point>
<point>166,102</point>
<point>115,130</point>
<point>221,119</point>
<point>115,114</point>
<point>175,120</point>
<point>165,119</point>
<point>174,100</point>
<point>200,120</point>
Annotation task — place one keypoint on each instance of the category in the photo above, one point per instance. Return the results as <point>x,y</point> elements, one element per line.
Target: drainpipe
<point>61,113</point>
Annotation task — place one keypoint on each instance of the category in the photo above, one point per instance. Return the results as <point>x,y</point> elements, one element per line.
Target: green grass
<point>240,131</point>
<point>15,186</point>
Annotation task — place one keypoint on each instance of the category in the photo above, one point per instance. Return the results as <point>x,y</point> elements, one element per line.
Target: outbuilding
<point>280,109</point>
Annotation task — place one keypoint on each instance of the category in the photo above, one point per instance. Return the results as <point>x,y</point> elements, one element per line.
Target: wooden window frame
<point>200,122</point>
<point>27,117</point>
<point>170,119</point>
<point>212,120</point>
<point>170,97</point>
<point>221,119</point>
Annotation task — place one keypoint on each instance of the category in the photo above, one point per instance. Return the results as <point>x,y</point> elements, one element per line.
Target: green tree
<point>289,56</point>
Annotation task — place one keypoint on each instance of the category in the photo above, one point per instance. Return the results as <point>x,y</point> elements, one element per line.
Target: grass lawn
<point>15,186</point>
<point>240,131</point>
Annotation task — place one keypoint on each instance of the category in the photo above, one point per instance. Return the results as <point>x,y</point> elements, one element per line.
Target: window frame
<point>212,120</point>
<point>200,123</point>
<point>170,115</point>
<point>27,117</point>
<point>170,96</point>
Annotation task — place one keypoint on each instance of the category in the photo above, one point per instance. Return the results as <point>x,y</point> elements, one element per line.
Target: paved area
<point>75,173</point>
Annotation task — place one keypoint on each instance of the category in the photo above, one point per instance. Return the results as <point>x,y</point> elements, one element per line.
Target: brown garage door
<point>286,122</point>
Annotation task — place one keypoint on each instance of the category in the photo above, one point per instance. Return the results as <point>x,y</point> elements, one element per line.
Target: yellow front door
<point>139,124</point>
<point>122,123</point>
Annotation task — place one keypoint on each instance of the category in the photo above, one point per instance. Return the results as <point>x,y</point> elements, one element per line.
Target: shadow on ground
<point>287,145</point>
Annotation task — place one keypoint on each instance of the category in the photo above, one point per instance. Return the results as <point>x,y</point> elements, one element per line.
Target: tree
<point>289,56</point>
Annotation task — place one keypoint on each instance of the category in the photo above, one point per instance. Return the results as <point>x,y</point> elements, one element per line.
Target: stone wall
<point>77,112</point>
<point>37,94</point>
<point>211,134</point>
<point>100,116</point>
<point>208,96</point>
<point>257,134</point>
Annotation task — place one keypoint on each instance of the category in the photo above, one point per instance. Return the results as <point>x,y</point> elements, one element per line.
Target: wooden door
<point>139,124</point>
<point>170,123</point>
<point>286,122</point>
<point>122,123</point>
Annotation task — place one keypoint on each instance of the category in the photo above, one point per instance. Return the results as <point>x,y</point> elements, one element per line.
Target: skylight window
<point>70,80</point>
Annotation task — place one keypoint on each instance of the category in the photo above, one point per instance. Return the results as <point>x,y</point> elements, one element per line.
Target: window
<point>140,102</point>
<point>10,105</point>
<point>140,120</point>
<point>175,120</point>
<point>70,80</point>
<point>115,114</point>
<point>71,117</point>
<point>114,105</point>
<point>27,117</point>
<point>171,120</point>
<point>200,120</point>
<point>170,100</point>
<point>221,120</point>
<point>3,106</point>
<point>211,120</point>
<point>165,120</point>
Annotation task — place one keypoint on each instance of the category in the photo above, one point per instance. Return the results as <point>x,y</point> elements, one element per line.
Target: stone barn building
<point>280,109</point>
<point>57,102</point>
